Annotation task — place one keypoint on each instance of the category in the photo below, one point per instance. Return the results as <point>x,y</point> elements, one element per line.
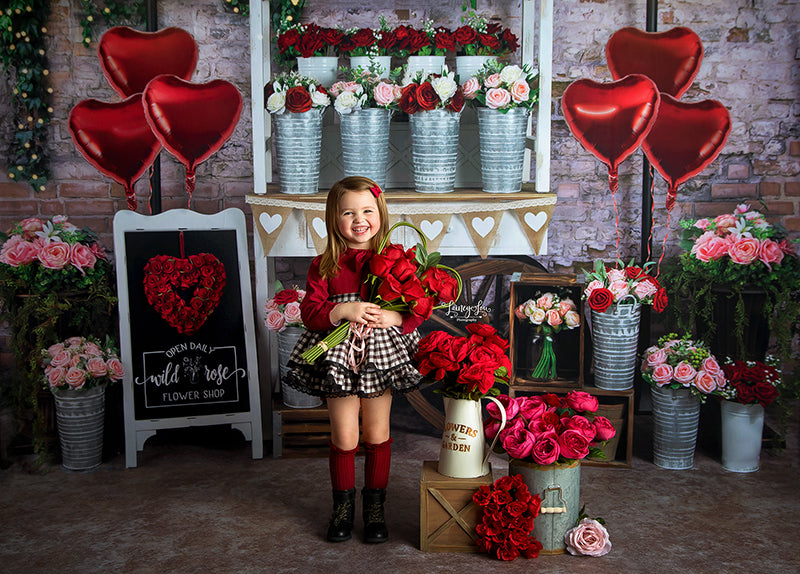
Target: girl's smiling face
<point>358,219</point>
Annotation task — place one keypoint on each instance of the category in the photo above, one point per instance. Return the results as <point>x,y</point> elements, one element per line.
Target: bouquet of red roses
<point>411,281</point>
<point>468,367</point>
<point>623,284</point>
<point>751,382</point>
<point>508,512</point>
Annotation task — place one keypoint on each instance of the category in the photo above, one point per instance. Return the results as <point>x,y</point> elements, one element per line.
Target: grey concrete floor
<point>197,502</point>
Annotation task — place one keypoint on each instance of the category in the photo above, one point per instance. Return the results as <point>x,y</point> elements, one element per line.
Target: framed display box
<point>526,338</point>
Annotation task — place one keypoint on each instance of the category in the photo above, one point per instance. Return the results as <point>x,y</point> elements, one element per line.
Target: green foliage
<point>285,13</point>
<point>239,6</point>
<point>113,12</point>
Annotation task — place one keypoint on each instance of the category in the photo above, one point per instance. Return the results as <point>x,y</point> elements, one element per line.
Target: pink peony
<point>604,429</point>
<point>545,449</point>
<point>581,401</point>
<point>518,443</point>
<point>572,443</point>
<point>582,424</point>
<point>770,252</point>
<point>54,255</point>
<point>684,373</point>
<point>662,374</point>
<point>531,407</point>
<point>510,405</point>
<point>744,250</point>
<point>470,87</point>
<point>588,538</point>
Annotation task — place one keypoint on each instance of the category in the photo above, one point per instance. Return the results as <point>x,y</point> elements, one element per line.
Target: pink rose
<point>520,91</point>
<point>74,342</point>
<point>271,305</point>
<point>55,376</point>
<point>744,250</point>
<point>54,255</point>
<point>384,94</point>
<point>645,289</point>
<point>61,358</point>
<point>91,349</point>
<point>53,350</point>
<point>711,366</point>
<point>97,367</point>
<point>770,252</point>
<point>572,443</point>
<point>470,87</point>
<point>75,377</point>
<point>546,449</point>
<point>657,357</point>
<point>724,222</point>
<point>616,275</point>
<point>545,301</point>
<point>518,443</point>
<point>705,382</point>
<point>662,374</point>
<point>712,250</point>
<point>115,369</point>
<point>30,226</point>
<point>496,98</point>
<point>594,284</point>
<point>62,219</point>
<point>603,427</point>
<point>589,538</point>
<point>787,247</point>
<point>492,81</point>
<point>292,312</point>
<point>510,405</point>
<point>554,318</point>
<point>619,288</point>
<point>582,402</point>
<point>531,408</point>
<point>82,257</point>
<point>275,321</point>
<point>684,373</point>
<point>98,251</point>
<point>567,305</point>
<point>582,424</point>
<point>572,319</point>
<point>490,428</point>
<point>702,223</point>
<point>519,312</point>
<point>17,251</point>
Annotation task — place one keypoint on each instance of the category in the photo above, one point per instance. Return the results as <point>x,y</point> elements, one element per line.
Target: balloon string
<point>663,246</point>
<point>652,215</point>
<point>190,182</point>
<point>150,189</point>
<point>183,251</point>
<point>130,195</point>
<point>616,218</point>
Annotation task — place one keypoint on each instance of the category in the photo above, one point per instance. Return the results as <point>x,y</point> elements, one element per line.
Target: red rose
<point>309,44</point>
<point>408,99</point>
<point>422,307</point>
<point>765,393</point>
<point>476,377</point>
<point>465,35</point>
<point>531,550</point>
<point>287,40</point>
<point>417,39</point>
<point>633,272</point>
<point>493,27</point>
<point>745,393</point>
<point>735,371</point>
<point>286,296</point>
<point>551,400</point>
<point>504,483</point>
<point>331,36</point>
<point>362,38</point>
<point>601,299</point>
<point>489,41</point>
<point>402,37</point>
<point>661,300</point>
<point>457,101</point>
<point>427,97</point>
<point>483,495</point>
<point>403,269</point>
<point>444,41</point>
<point>441,283</point>
<point>433,341</point>
<point>510,39</point>
<point>298,100</point>
<point>389,289</point>
<point>387,40</point>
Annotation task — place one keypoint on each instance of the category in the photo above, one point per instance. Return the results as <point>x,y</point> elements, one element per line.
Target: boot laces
<point>341,514</point>
<point>375,513</point>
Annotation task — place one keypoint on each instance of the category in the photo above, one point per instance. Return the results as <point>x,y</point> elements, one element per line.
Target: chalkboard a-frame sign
<point>187,335</point>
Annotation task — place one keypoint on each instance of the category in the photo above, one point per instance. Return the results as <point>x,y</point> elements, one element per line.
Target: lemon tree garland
<point>113,13</point>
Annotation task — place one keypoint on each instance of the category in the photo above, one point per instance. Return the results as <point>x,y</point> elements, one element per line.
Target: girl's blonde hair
<point>329,264</point>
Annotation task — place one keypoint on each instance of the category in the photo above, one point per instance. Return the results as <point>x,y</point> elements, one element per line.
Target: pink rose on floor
<point>616,275</point>
<point>545,301</point>
<point>684,373</point>
<point>656,358</point>
<point>520,91</point>
<point>546,449</point>
<point>17,251</point>
<point>61,358</point>
<point>744,250</point>
<point>711,366</point>
<point>75,377</point>
<point>582,424</point>
<point>115,369</point>
<point>594,284</point>
<point>519,443</point>
<point>603,427</point>
<point>492,81</point>
<point>588,538</point>
<point>384,93</point>
<point>662,374</point>
<point>496,98</point>
<point>573,444</point>
<point>554,318</point>
<point>97,367</point>
<point>54,255</point>
<point>55,375</point>
<point>572,319</point>
<point>619,288</point>
<point>770,252</point>
<point>581,401</point>
<point>645,289</point>
<point>82,257</point>
<point>705,382</point>
<point>292,312</point>
<point>713,249</point>
<point>275,321</point>
<point>470,87</point>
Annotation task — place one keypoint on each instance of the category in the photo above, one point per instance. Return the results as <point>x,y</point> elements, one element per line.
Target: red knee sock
<point>342,465</point>
<point>376,464</point>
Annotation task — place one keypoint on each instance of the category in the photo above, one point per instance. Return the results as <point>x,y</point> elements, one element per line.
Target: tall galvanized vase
<point>434,150</point>
<point>79,417</point>
<point>559,487</point>
<point>365,143</point>
<point>293,398</point>
<point>502,141</point>
<point>298,143</point>
<point>676,413</point>
<point>742,427</point>
<point>615,339</point>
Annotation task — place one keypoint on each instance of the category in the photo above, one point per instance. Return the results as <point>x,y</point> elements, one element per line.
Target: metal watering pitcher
<point>464,453</point>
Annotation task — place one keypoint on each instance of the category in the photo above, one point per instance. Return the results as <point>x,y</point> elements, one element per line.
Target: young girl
<point>356,219</point>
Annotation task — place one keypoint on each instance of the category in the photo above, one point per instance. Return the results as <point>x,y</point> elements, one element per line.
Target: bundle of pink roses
<point>548,429</point>
<point>364,89</point>
<point>682,363</point>
<point>502,87</point>
<point>623,283</point>
<point>80,363</point>
<point>283,310</point>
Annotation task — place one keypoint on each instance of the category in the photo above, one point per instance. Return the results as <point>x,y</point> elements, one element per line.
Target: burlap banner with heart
<point>316,227</point>
<point>534,221</point>
<point>483,228</point>
<point>433,226</point>
<point>269,222</point>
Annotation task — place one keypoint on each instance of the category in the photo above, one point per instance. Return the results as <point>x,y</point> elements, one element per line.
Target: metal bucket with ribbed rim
<point>434,150</point>
<point>298,146</point>
<point>742,427</point>
<point>502,141</point>
<point>365,143</point>
<point>293,398</point>
<point>79,416</point>
<point>615,340</point>
<point>676,413</point>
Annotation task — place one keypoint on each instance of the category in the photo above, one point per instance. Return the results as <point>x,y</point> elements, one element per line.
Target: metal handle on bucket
<point>503,421</point>
<point>554,509</point>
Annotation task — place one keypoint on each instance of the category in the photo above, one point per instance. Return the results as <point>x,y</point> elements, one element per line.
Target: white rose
<point>444,87</point>
<point>510,74</point>
<point>320,100</point>
<point>276,103</point>
<point>345,102</point>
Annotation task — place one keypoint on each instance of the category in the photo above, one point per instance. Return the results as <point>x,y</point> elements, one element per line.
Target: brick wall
<point>751,64</point>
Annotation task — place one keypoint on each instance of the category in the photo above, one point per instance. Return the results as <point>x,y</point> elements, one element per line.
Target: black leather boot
<point>372,511</point>
<point>340,527</point>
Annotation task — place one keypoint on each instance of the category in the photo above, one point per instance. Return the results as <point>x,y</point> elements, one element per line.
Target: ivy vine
<point>285,13</point>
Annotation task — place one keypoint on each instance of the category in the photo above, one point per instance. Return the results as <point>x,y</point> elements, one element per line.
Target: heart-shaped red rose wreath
<point>164,274</point>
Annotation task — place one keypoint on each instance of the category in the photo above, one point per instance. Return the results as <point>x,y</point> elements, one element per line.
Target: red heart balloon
<point>611,120</point>
<point>685,139</point>
<point>130,58</point>
<point>671,59</point>
<point>191,121</point>
<point>115,139</point>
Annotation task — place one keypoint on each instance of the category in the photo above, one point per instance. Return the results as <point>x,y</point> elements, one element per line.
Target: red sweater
<point>316,307</point>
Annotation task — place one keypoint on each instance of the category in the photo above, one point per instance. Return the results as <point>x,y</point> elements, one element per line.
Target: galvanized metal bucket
<point>676,413</point>
<point>742,427</point>
<point>559,486</point>
<point>293,398</point>
<point>615,340</point>
<point>298,145</point>
<point>434,150</point>
<point>79,417</point>
<point>502,141</point>
<point>365,143</point>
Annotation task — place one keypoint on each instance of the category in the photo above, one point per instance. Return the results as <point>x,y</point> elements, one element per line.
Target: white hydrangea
<point>346,102</point>
<point>444,87</point>
<point>276,103</point>
<point>510,74</point>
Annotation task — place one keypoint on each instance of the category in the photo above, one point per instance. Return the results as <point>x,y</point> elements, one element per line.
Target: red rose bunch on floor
<point>606,286</point>
<point>751,382</point>
<point>468,367</point>
<point>508,512</point>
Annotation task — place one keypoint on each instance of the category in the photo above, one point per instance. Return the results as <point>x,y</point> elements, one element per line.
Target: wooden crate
<point>568,344</point>
<point>606,398</point>
<point>448,516</point>
<point>300,433</point>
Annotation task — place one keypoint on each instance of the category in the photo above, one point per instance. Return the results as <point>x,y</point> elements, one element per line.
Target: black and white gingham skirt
<point>388,364</point>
